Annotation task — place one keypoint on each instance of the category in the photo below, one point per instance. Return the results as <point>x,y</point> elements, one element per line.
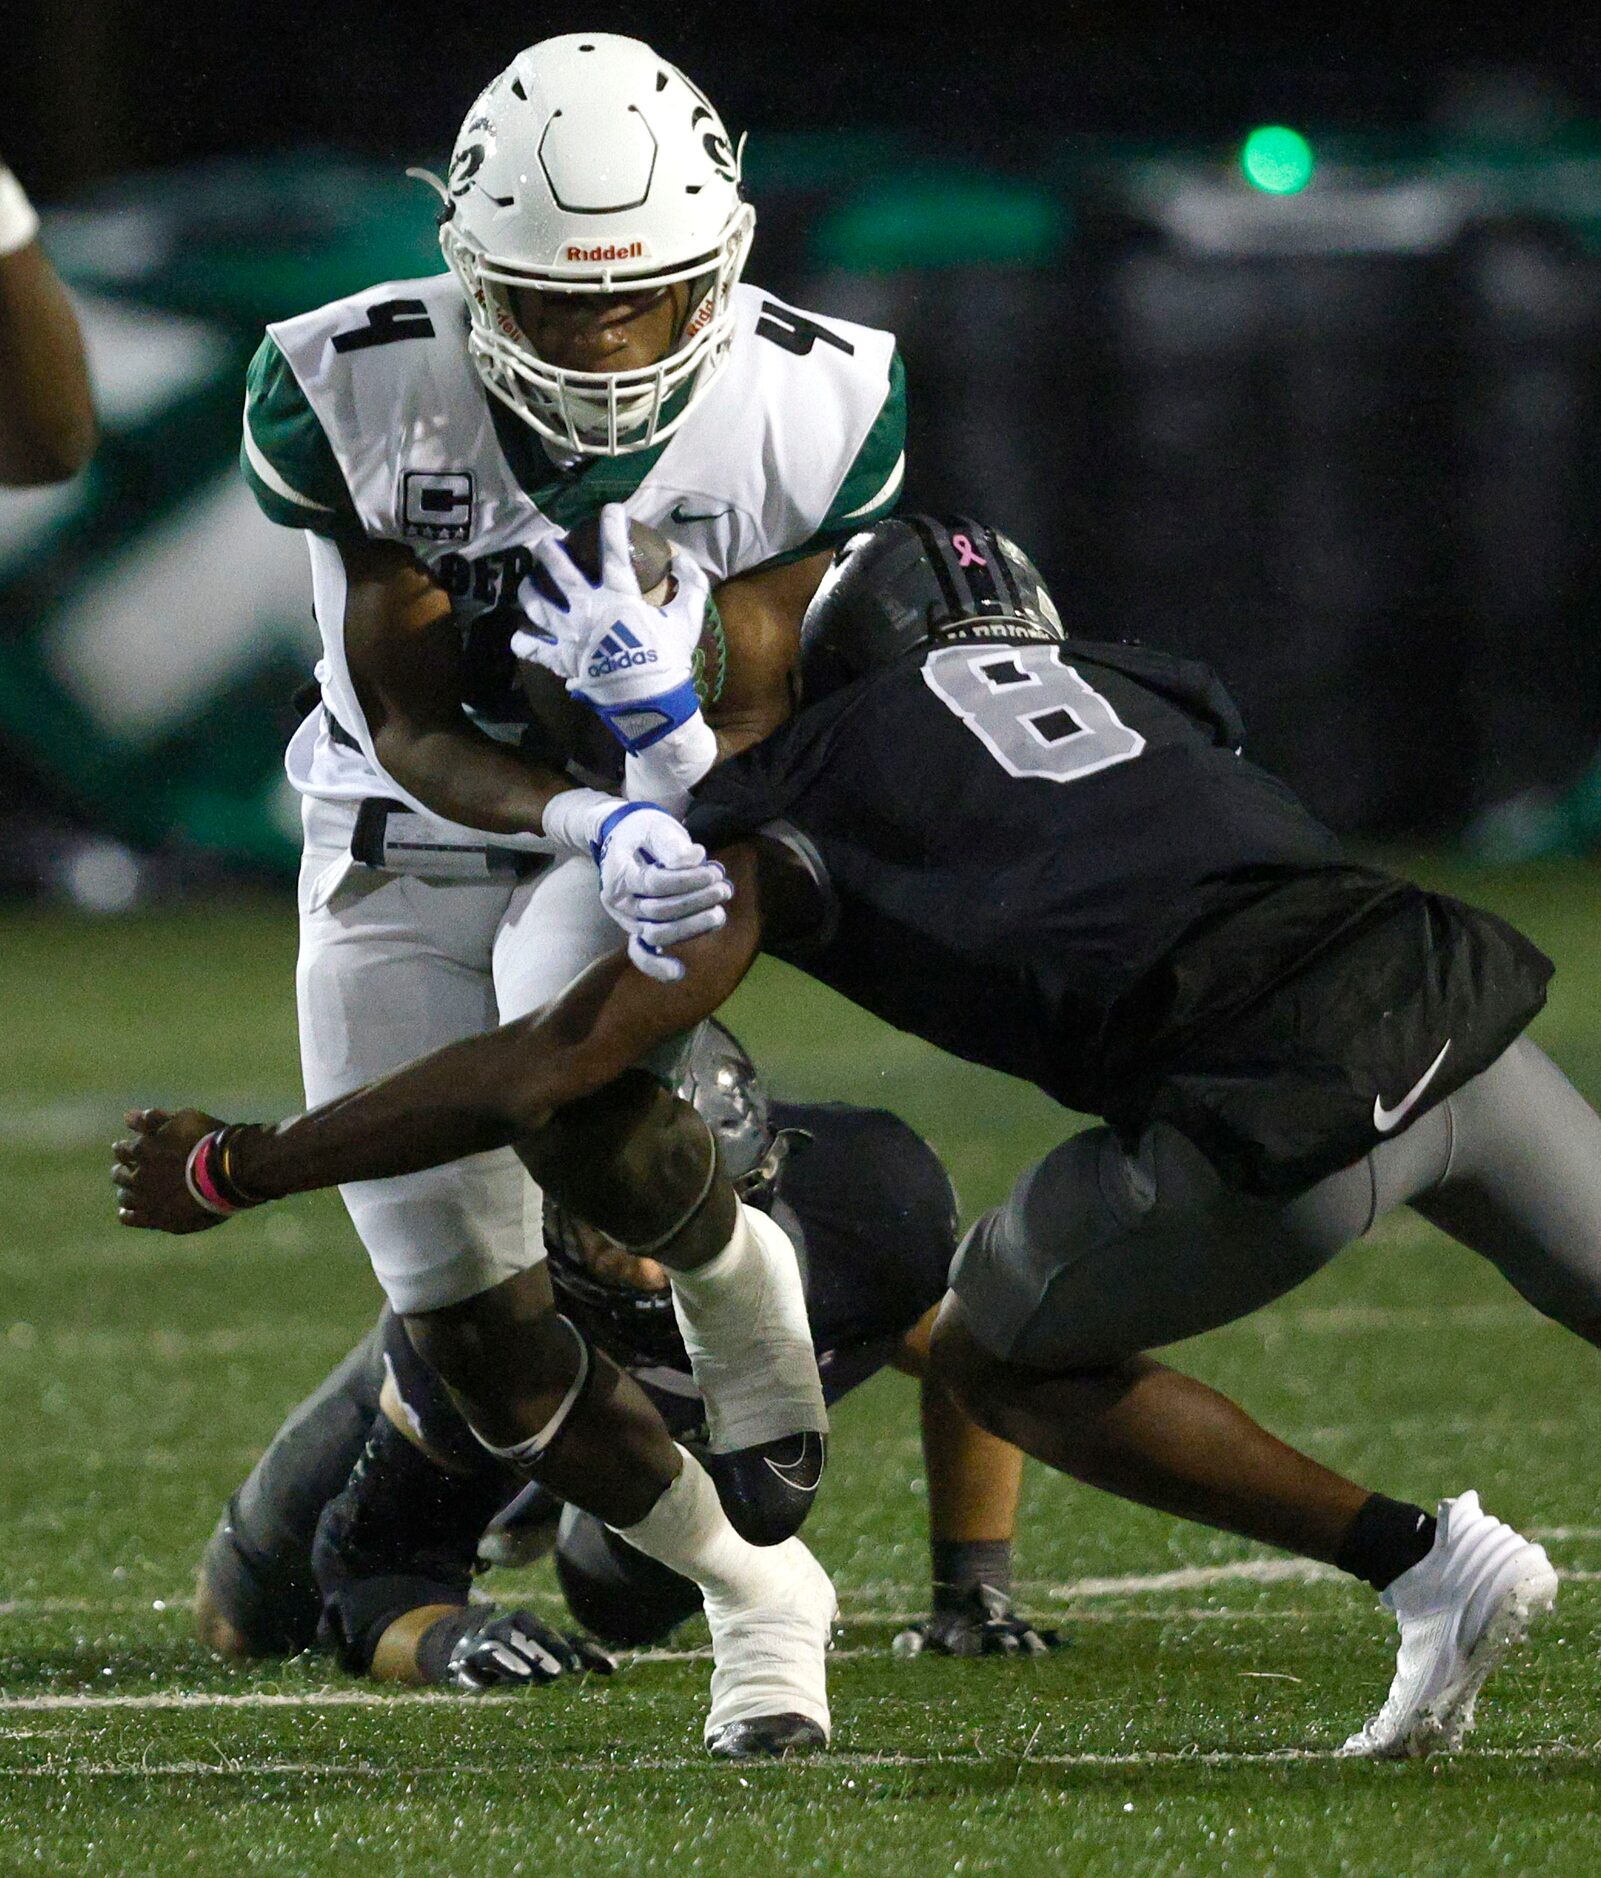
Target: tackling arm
<point>484,1092</point>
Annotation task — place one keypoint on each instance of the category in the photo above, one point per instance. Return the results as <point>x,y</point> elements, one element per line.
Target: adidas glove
<point>654,880</point>
<point>632,663</point>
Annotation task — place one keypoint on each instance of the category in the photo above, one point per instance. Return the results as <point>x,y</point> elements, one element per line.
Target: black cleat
<point>766,1738</point>
<point>768,1490</point>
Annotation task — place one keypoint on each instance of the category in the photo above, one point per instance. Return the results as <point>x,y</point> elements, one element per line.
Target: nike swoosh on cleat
<point>678,514</point>
<point>1386,1119</point>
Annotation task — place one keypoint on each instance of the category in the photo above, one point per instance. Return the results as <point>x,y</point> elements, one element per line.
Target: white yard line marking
<point>311,1698</point>
<point>67,1769</point>
<point>1340,1319</point>
<point>82,1607</point>
<point>1256,1571</point>
<point>90,1121</point>
<point>75,1122</point>
<point>272,1338</point>
<point>1268,1571</point>
<point>1428,1428</point>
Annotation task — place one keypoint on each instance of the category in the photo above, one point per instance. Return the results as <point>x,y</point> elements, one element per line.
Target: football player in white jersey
<point>590,345</point>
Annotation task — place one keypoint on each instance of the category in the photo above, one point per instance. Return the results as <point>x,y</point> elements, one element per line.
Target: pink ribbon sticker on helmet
<point>969,555</point>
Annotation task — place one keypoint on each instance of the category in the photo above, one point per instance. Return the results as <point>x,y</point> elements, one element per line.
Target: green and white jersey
<point>366,418</point>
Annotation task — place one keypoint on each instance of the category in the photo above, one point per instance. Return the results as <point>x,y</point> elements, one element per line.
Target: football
<point>648,548</point>
<point>651,553</point>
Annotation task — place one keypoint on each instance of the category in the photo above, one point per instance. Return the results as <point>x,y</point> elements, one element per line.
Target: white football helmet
<point>591,165</point>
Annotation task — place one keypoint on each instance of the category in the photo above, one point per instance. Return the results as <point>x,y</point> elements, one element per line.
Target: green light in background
<point>1277,160</point>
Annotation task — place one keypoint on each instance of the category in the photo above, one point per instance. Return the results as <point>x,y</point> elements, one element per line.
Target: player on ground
<point>871,1212</point>
<point>1051,858</point>
<point>591,343</point>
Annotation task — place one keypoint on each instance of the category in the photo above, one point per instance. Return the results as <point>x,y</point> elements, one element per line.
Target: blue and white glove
<point>654,880</point>
<point>632,663</point>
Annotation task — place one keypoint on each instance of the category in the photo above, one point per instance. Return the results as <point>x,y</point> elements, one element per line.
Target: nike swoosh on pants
<point>1387,1119</point>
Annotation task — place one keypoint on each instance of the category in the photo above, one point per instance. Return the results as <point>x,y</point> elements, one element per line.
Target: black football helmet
<point>919,580</point>
<point>635,1326</point>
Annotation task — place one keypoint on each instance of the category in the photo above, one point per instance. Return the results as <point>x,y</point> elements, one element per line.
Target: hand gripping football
<point>651,553</point>
<point>648,549</point>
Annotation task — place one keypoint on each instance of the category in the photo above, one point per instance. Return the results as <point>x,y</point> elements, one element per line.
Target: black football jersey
<point>1011,836</point>
<point>871,1210</point>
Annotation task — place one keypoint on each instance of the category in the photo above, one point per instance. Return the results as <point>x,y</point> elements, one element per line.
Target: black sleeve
<point>309,1459</point>
<point>763,783</point>
<point>732,802</point>
<point>879,1217</point>
<point>258,1563</point>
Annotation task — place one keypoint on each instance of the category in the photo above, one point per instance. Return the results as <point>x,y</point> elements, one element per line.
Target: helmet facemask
<point>587,413</point>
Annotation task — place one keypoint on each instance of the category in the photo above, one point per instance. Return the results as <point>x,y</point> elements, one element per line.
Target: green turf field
<point>1188,1730</point>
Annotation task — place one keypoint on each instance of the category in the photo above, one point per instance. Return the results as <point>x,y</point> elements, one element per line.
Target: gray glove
<point>979,1621</point>
<point>494,1649</point>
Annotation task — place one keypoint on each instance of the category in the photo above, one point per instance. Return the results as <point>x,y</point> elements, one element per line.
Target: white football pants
<point>392,967</point>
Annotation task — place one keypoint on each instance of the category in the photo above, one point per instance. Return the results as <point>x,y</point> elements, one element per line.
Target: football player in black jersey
<point>872,1215</point>
<point>1050,857</point>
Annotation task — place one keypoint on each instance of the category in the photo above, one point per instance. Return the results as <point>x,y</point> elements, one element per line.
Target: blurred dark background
<point>96,87</point>
<point>1343,440</point>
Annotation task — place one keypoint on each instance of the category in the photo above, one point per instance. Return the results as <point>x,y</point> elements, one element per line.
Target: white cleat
<point>1461,1609</point>
<point>769,1685</point>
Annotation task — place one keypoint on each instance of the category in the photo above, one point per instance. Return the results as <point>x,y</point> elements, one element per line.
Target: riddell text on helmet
<point>606,251</point>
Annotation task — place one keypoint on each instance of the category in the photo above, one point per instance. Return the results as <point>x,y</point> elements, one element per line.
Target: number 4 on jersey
<point>1033,714</point>
<point>794,332</point>
<point>387,321</point>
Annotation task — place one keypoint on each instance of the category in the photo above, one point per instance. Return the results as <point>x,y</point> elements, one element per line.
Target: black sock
<point>960,1565</point>
<point>1386,1538</point>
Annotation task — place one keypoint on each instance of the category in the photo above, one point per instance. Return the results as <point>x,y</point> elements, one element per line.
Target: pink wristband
<point>201,1180</point>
